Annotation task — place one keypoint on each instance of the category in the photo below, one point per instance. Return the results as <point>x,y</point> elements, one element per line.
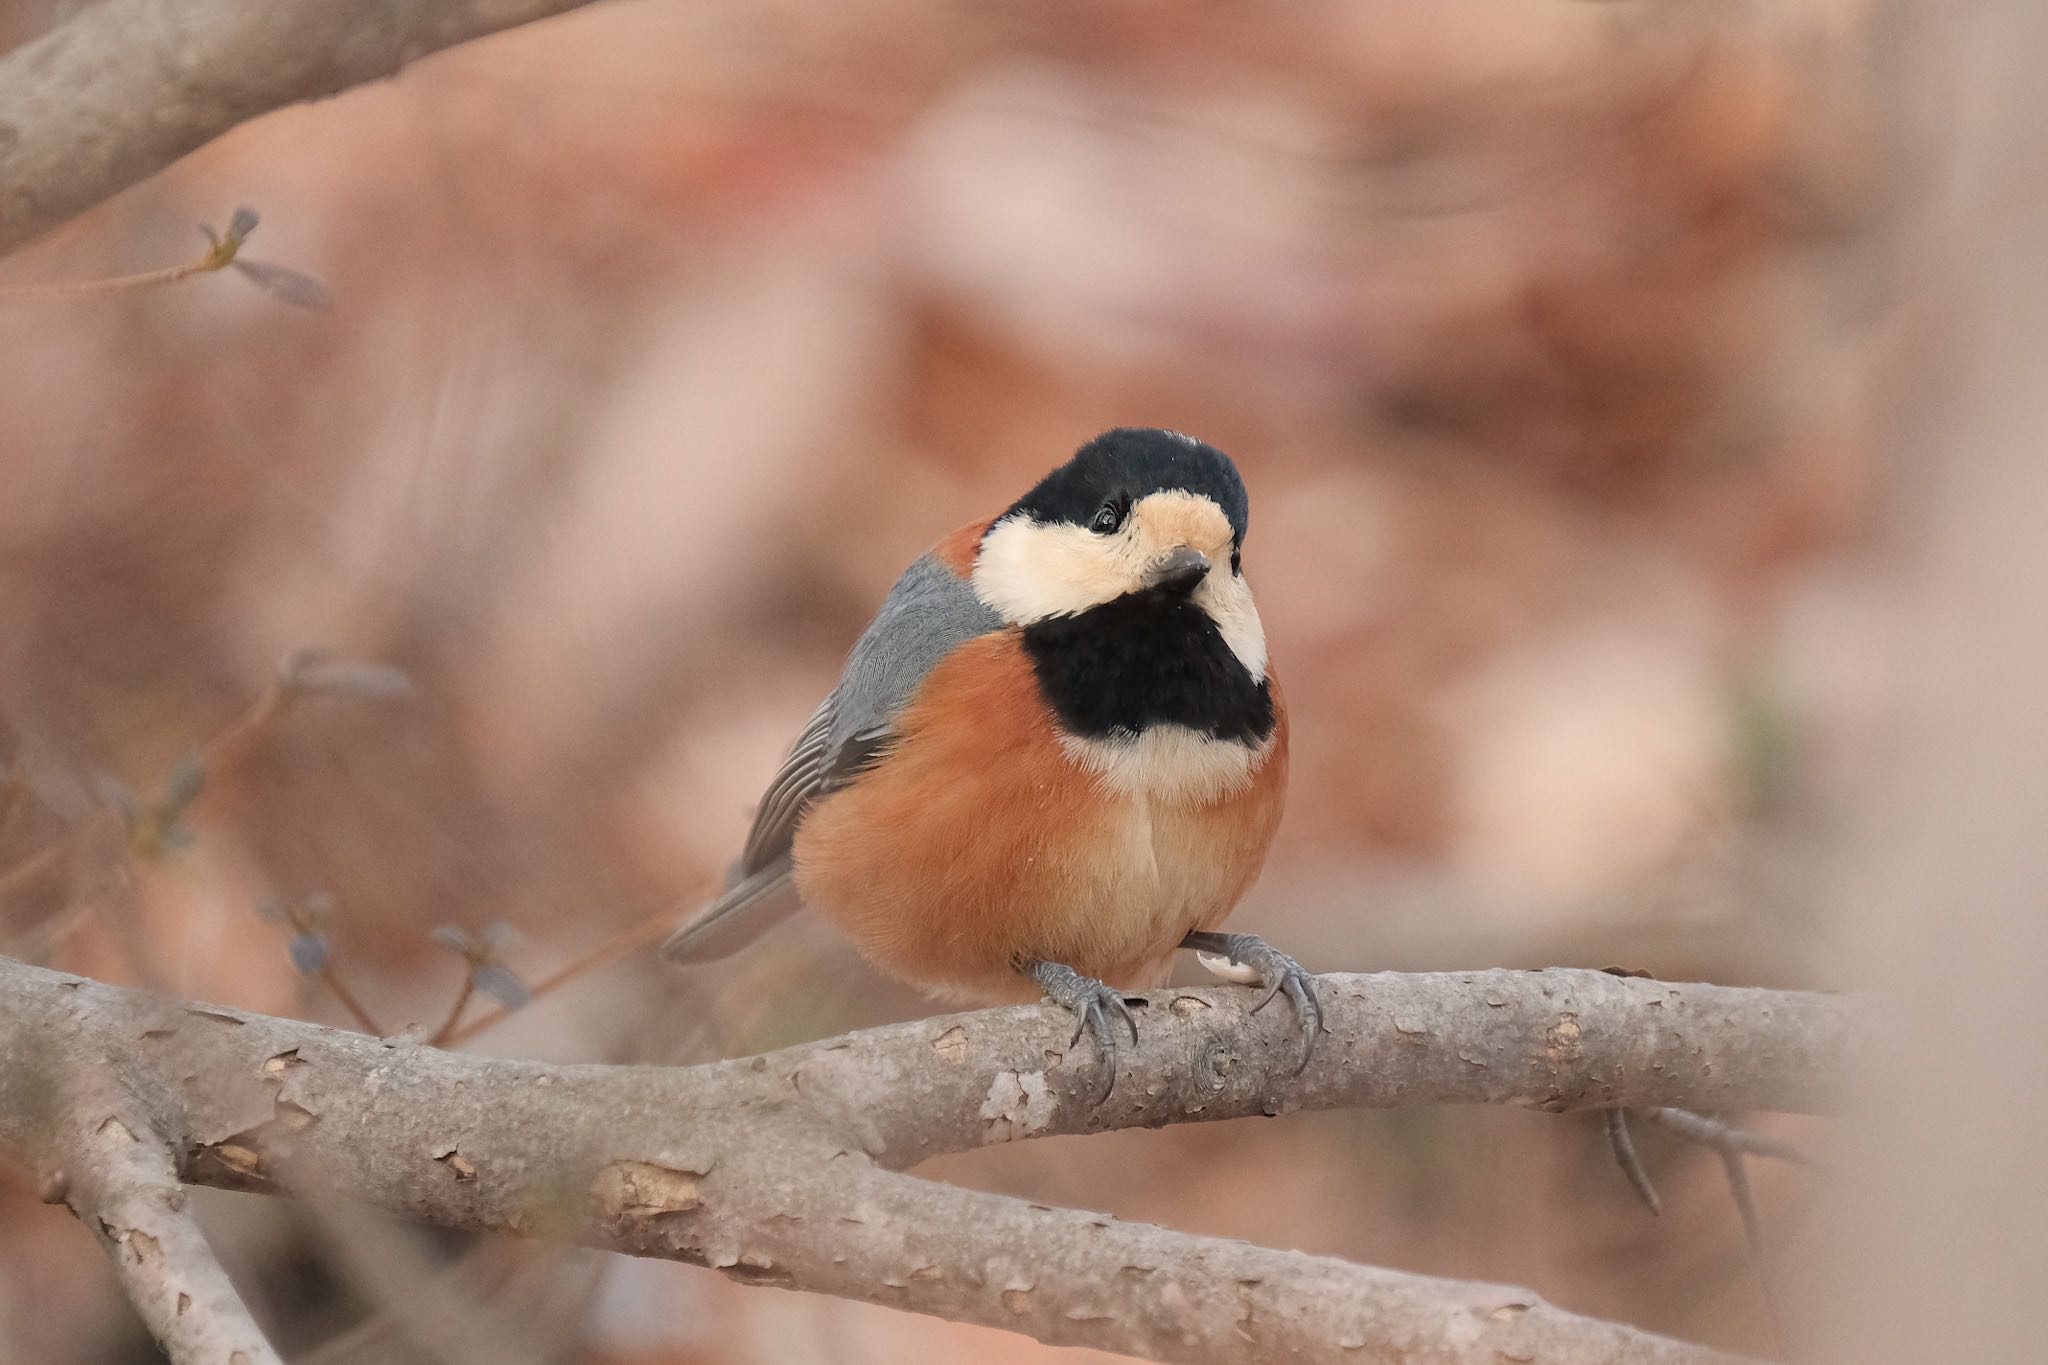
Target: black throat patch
<point>1144,659</point>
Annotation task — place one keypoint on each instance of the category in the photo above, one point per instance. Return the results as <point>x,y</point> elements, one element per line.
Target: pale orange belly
<point>980,844</point>
<point>956,898</point>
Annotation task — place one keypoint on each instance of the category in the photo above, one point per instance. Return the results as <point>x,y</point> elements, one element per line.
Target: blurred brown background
<point>1549,337</point>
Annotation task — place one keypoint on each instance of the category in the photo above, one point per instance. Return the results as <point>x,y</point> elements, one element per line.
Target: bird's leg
<point>1277,972</point>
<point>1094,1007</point>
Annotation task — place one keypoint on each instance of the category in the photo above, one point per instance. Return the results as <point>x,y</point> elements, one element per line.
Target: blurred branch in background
<point>786,1169</point>
<point>1940,1220</point>
<point>123,88</point>
<point>150,830</point>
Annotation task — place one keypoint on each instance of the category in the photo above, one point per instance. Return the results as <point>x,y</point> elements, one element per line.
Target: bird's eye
<point>1110,516</point>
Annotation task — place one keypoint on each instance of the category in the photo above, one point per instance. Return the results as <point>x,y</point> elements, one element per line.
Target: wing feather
<point>760,892</point>
<point>791,789</point>
<point>929,613</point>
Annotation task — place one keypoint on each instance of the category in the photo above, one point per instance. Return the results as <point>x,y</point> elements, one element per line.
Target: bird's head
<point>1138,513</point>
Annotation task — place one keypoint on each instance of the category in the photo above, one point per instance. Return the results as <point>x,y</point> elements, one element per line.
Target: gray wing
<point>930,612</point>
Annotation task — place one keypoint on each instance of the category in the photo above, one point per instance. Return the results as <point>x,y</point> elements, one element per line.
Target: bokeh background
<point>1554,340</point>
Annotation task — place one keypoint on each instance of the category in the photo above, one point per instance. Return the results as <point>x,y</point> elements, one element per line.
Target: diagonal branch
<point>784,1169</point>
<point>127,1192</point>
<point>1068,1277</point>
<point>96,1133</point>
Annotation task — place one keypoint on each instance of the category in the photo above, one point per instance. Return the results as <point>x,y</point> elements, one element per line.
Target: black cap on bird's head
<point>1129,463</point>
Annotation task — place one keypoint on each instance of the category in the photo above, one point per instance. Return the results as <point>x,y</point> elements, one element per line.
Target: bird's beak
<point>1178,569</point>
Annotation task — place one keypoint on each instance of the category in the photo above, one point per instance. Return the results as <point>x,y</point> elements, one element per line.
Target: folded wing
<point>929,613</point>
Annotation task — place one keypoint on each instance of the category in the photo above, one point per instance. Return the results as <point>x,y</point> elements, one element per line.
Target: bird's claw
<point>1095,1008</point>
<point>1279,974</point>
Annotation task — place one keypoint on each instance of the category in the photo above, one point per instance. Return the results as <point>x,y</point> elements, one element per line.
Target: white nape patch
<point>1028,571</point>
<point>1169,763</point>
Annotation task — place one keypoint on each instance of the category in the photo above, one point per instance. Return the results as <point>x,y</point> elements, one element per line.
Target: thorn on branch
<point>1732,1145</point>
<point>1727,1137</point>
<point>1624,1149</point>
<point>1724,1138</point>
<point>1753,1235</point>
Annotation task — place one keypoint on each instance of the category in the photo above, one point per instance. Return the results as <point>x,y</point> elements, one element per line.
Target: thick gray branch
<point>784,1169</point>
<point>1554,1040</point>
<point>125,87</point>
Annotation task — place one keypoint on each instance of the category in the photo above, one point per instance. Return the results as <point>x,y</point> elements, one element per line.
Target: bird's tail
<point>749,908</point>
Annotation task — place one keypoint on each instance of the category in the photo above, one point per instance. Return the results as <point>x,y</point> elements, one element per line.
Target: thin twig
<point>233,740</point>
<point>13,787</point>
<point>331,976</point>
<point>299,673</point>
<point>39,942</point>
<point>441,1035</point>
<point>28,869</point>
<point>112,285</point>
<point>643,934</point>
<point>223,252</point>
<point>227,745</point>
<point>219,256</point>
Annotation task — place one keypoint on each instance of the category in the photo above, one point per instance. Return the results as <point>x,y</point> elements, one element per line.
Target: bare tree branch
<point>125,87</point>
<point>97,1136</point>
<point>127,1192</point>
<point>785,1169</point>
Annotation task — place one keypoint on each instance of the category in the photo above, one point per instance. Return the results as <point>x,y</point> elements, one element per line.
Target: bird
<point>1057,755</point>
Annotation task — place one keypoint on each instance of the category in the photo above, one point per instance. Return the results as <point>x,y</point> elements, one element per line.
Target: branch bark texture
<point>787,1169</point>
<point>125,87</point>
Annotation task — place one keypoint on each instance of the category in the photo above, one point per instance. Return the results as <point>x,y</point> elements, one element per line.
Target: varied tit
<point>1057,754</point>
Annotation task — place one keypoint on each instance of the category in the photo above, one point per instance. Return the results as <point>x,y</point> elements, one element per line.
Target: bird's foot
<point>1277,972</point>
<point>1094,1006</point>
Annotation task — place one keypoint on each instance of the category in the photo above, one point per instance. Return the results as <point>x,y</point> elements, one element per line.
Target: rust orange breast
<point>980,841</point>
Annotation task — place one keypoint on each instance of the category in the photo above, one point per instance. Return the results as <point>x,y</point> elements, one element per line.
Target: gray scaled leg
<point>1094,1007</point>
<point>1277,973</point>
